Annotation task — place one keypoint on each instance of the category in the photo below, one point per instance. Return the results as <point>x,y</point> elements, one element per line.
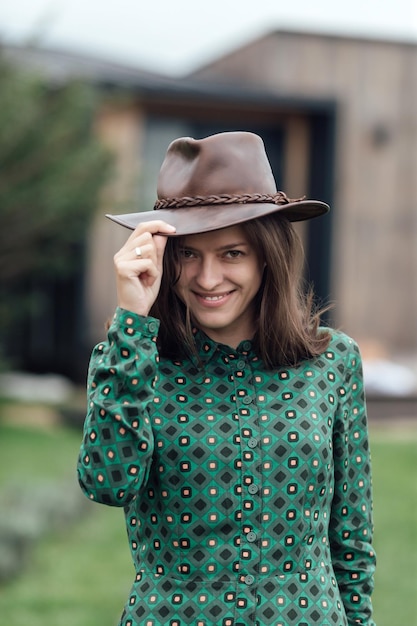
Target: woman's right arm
<point>116,452</point>
<point>117,447</point>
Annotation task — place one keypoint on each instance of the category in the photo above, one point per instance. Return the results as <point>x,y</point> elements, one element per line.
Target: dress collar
<point>207,348</point>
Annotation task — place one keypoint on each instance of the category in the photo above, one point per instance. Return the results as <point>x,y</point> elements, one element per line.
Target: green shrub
<point>29,513</point>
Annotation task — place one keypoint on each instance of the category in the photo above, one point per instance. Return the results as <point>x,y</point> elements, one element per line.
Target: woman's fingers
<point>151,229</point>
<point>144,241</point>
<point>139,266</point>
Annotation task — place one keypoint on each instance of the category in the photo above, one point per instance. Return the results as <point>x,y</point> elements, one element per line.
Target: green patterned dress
<point>246,491</point>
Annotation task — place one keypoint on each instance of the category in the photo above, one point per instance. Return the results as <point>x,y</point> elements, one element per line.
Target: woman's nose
<point>209,274</point>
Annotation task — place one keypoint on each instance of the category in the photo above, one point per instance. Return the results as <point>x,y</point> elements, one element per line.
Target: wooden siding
<point>374,83</point>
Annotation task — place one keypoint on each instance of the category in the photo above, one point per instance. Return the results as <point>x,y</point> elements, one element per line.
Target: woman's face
<point>220,277</point>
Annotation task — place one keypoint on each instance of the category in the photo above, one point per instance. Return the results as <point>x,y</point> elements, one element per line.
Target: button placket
<point>250,450</point>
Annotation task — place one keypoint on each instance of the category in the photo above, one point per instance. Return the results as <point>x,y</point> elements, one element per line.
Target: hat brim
<point>202,219</point>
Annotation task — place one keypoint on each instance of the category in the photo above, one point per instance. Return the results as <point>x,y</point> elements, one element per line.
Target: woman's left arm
<point>351,523</point>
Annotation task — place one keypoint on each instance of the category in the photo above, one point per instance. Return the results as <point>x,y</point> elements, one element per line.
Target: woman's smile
<point>213,299</point>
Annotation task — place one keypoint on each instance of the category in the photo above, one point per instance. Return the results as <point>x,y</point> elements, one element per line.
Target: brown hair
<point>287,326</point>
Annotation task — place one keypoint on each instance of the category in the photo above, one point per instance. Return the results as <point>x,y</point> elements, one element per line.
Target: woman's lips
<point>212,300</point>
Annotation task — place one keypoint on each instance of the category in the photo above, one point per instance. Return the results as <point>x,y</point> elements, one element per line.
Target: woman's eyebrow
<point>233,245</point>
<point>220,249</point>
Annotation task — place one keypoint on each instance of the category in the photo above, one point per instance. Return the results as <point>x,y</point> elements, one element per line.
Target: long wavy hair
<point>287,323</point>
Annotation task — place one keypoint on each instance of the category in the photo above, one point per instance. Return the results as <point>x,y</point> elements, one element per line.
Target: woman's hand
<point>139,266</point>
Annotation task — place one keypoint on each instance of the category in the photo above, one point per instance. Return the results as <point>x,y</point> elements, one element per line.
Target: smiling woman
<point>225,421</point>
<point>219,278</point>
<point>268,306</point>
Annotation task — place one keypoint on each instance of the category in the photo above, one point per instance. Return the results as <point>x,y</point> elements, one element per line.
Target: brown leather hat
<point>219,181</point>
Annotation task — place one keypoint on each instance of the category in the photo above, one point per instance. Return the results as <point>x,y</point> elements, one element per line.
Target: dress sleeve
<point>351,523</point>
<point>117,447</point>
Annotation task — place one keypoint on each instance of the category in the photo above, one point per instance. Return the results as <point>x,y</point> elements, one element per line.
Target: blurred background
<point>90,97</point>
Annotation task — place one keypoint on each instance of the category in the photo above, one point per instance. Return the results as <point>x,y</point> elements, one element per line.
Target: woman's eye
<point>234,254</point>
<point>187,254</point>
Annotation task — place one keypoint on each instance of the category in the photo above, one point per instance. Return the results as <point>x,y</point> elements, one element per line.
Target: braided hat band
<point>253,198</point>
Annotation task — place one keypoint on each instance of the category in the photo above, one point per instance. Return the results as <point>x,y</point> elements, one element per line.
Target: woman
<point>226,422</point>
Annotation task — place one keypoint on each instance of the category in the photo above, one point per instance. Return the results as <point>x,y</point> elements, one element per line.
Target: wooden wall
<point>374,264</point>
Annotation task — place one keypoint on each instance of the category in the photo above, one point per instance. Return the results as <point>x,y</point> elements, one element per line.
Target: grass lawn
<point>394,456</point>
<point>81,577</point>
<point>78,577</point>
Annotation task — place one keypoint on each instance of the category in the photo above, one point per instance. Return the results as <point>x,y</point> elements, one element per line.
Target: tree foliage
<point>52,168</point>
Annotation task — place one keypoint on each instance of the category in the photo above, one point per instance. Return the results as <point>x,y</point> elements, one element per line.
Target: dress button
<point>247,400</point>
<point>253,488</point>
<point>152,327</point>
<point>252,442</point>
<point>249,579</point>
<point>246,345</point>
<point>251,537</point>
<point>240,365</point>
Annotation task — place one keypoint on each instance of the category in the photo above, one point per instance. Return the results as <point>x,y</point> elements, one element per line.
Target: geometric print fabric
<point>247,492</point>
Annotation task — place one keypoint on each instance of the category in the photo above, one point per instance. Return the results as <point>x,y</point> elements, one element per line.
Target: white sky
<point>174,36</point>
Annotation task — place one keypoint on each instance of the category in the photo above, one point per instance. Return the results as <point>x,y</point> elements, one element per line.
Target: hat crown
<point>226,163</point>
